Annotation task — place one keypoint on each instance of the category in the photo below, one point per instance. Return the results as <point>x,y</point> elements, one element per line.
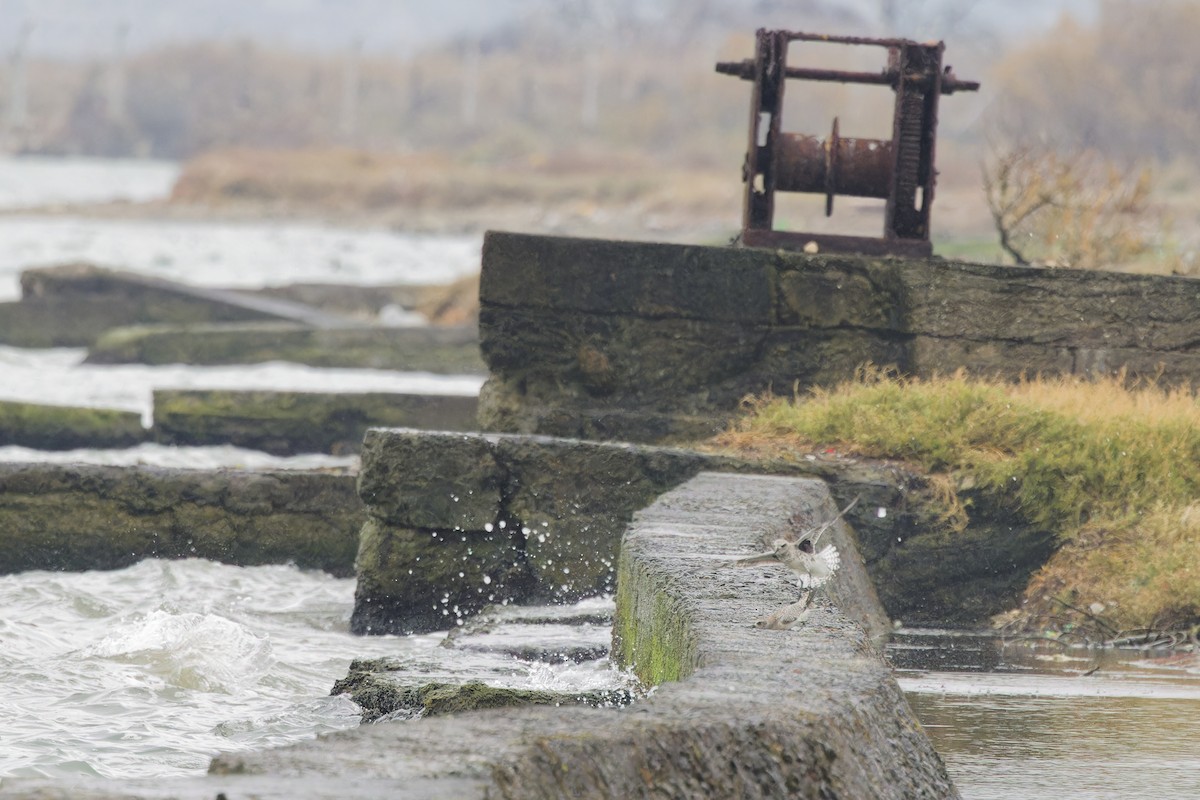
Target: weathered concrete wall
<point>81,517</point>
<point>441,504</point>
<point>651,342</point>
<point>67,427</point>
<point>443,349</point>
<point>458,521</point>
<point>72,304</point>
<point>810,712</point>
<point>284,423</point>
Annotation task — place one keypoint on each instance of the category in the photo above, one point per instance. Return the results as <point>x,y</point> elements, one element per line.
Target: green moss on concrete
<point>370,685</point>
<point>66,428</point>
<point>651,634</point>
<point>91,517</point>
<point>299,422</point>
<point>441,350</point>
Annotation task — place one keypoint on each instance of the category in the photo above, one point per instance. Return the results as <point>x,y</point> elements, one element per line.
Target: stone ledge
<point>285,423</point>
<point>51,427</point>
<point>82,517</point>
<point>442,350</point>
<point>70,305</point>
<point>461,520</point>
<point>811,712</point>
<point>431,497</point>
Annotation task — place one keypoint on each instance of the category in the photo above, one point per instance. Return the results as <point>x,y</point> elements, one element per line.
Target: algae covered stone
<point>437,480</point>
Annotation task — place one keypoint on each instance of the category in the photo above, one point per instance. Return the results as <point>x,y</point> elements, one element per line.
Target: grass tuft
<point>1113,469</point>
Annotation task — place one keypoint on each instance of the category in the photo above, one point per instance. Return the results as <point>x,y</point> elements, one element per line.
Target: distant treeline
<point>487,100</point>
<point>1127,85</point>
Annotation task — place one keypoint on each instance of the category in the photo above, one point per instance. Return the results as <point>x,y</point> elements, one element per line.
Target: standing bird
<point>784,618</point>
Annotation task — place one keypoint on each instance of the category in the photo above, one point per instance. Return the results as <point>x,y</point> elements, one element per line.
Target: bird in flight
<point>813,567</point>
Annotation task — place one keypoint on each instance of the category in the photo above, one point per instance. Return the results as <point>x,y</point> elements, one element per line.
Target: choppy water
<point>233,255</point>
<point>150,670</point>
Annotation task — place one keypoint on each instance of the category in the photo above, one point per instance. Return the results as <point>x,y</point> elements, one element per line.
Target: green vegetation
<point>651,637</point>
<point>66,427</point>
<point>371,687</point>
<point>1115,470</point>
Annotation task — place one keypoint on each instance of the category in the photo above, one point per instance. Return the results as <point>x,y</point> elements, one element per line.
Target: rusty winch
<point>899,170</point>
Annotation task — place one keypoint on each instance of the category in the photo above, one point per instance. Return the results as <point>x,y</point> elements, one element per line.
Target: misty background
<point>606,117</point>
<point>148,78</point>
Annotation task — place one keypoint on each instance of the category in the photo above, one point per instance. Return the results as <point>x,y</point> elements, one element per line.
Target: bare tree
<point>1079,210</point>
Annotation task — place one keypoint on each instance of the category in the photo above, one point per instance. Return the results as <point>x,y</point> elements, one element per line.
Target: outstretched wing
<point>816,535</point>
<point>832,558</point>
<point>821,567</point>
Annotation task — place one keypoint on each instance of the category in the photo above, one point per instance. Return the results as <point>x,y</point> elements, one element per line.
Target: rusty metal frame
<point>900,171</point>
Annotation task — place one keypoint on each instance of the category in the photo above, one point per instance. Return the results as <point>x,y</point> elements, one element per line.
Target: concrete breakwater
<point>456,521</point>
<point>73,304</point>
<point>283,423</point>
<point>81,517</point>
<point>746,712</point>
<point>459,521</point>
<point>426,348</point>
<point>124,317</point>
<point>522,518</point>
<point>129,318</point>
<point>651,342</point>
<point>276,422</point>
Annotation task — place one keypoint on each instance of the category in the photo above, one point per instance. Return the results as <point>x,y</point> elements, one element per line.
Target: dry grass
<point>404,188</point>
<point>1115,470</point>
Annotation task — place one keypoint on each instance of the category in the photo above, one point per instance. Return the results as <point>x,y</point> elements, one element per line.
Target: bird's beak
<point>762,558</point>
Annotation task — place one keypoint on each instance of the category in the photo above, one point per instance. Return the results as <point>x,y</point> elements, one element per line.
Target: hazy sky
<point>90,27</point>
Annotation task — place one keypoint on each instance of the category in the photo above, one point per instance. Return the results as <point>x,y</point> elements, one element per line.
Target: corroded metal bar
<point>863,166</point>
<point>745,70</point>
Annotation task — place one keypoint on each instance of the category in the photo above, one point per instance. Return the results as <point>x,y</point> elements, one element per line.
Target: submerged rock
<point>383,695</point>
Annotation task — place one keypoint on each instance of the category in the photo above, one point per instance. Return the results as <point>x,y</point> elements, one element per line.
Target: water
<point>148,671</point>
<point>221,254</point>
<point>1053,724</point>
<point>233,255</point>
<point>32,182</point>
<point>59,377</point>
<point>250,255</point>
